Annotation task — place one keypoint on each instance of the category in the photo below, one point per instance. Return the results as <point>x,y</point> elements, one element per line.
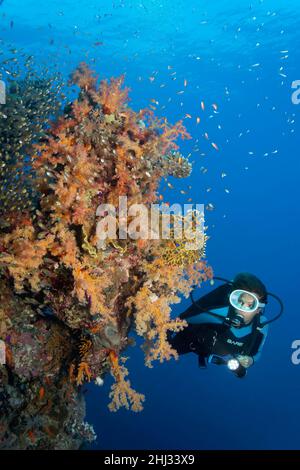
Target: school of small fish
<point>201,111</point>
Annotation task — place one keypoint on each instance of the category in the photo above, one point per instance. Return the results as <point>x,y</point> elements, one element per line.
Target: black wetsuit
<point>210,336</point>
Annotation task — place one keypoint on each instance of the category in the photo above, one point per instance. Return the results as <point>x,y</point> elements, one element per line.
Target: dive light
<point>233,364</point>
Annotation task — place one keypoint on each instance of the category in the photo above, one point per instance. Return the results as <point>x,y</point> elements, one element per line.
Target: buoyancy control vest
<point>219,339</point>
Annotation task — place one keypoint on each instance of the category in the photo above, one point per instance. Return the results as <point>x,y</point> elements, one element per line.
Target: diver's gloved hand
<point>245,361</point>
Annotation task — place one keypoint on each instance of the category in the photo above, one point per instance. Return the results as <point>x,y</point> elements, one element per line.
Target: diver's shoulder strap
<point>214,299</point>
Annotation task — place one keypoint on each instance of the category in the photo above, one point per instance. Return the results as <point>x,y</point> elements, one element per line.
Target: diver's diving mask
<point>245,301</point>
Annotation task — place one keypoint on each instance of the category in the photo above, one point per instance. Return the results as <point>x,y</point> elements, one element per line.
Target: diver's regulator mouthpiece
<point>236,321</point>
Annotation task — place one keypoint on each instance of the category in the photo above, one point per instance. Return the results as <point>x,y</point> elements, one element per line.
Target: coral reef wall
<point>68,301</point>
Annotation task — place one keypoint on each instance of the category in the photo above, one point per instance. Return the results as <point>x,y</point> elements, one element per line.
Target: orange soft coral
<point>84,373</point>
<point>112,97</point>
<point>152,317</point>
<point>122,395</point>
<point>23,255</point>
<point>98,151</point>
<point>84,77</point>
<point>89,287</point>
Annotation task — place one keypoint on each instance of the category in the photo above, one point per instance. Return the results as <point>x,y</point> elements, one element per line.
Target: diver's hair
<point>251,283</point>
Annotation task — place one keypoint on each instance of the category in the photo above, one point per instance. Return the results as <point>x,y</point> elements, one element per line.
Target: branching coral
<point>153,322</point>
<point>121,393</point>
<point>84,77</point>
<point>111,96</point>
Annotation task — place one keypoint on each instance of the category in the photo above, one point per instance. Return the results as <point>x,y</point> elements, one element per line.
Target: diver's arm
<point>264,331</point>
<point>247,361</point>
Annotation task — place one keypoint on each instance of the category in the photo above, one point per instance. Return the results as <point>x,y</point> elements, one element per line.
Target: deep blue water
<point>232,53</point>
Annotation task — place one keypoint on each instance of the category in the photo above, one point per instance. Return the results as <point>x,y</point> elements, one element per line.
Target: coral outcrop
<point>68,302</point>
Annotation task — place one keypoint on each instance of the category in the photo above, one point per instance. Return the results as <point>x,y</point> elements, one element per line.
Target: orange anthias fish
<point>41,393</point>
<point>214,146</point>
<point>202,105</point>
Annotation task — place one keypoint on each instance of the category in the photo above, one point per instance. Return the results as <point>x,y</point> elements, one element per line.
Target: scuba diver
<point>227,326</point>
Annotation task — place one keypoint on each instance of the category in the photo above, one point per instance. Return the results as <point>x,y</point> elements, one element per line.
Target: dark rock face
<point>40,407</point>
